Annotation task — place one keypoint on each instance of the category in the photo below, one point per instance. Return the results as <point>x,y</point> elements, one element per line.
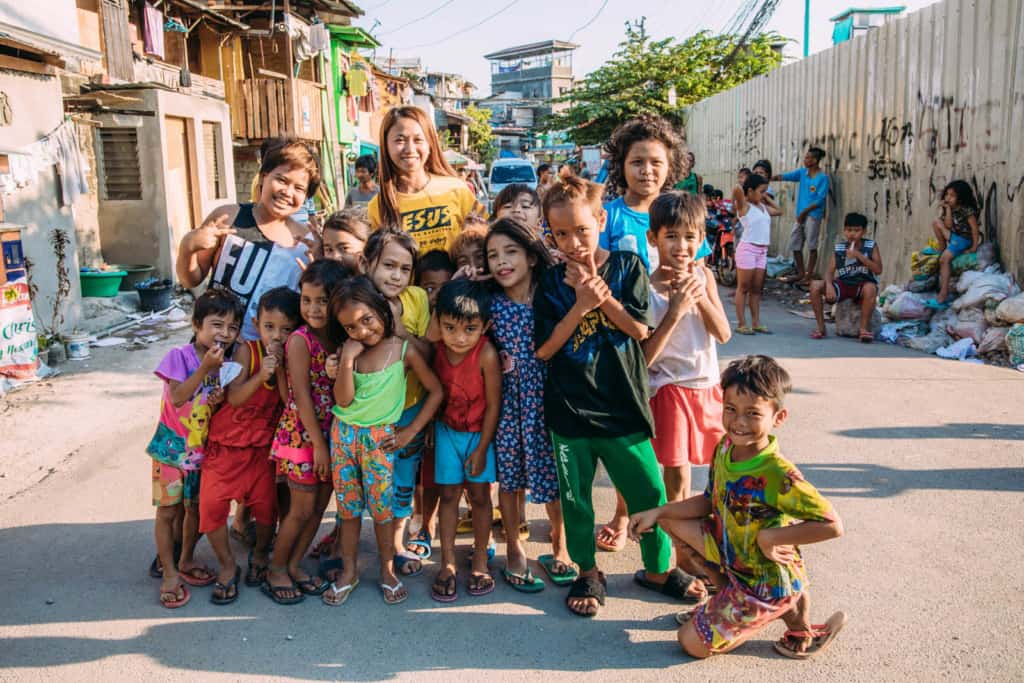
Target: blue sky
<point>527,21</point>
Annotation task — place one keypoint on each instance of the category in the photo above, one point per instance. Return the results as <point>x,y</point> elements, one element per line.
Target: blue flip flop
<point>492,549</point>
<point>423,540</point>
<point>402,559</point>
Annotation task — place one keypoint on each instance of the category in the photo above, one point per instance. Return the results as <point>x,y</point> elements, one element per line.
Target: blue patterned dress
<point>525,458</point>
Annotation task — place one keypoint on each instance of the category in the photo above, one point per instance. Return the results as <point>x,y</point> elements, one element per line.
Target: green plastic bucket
<point>102,284</point>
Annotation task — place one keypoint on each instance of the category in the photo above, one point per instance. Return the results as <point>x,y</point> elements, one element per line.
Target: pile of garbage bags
<point>986,320</point>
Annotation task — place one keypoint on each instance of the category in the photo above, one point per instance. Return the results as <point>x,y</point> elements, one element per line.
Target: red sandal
<point>818,334</point>
<point>822,636</point>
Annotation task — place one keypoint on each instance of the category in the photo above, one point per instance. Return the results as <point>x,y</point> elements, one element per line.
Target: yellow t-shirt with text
<point>416,319</point>
<point>433,216</point>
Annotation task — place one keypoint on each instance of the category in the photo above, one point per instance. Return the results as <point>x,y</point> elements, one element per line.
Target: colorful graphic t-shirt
<point>765,492</point>
<point>434,215</point>
<point>249,264</point>
<point>181,433</point>
<point>597,383</point>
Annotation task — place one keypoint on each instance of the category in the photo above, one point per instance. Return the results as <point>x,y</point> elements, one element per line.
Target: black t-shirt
<point>597,384</point>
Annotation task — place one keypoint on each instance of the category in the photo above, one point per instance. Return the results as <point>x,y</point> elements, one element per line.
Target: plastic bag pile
<point>986,320</point>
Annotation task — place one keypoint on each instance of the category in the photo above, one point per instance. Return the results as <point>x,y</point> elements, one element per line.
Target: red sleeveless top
<point>253,423</point>
<point>464,403</point>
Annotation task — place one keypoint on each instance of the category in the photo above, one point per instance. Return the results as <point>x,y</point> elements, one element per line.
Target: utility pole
<point>807,24</point>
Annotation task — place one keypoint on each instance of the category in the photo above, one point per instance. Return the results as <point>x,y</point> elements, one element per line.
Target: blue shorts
<point>407,464</point>
<point>451,454</point>
<point>958,245</point>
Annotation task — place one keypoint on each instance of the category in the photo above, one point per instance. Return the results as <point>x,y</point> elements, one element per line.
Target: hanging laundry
<point>153,31</point>
<point>319,37</point>
<point>358,82</point>
<point>70,164</point>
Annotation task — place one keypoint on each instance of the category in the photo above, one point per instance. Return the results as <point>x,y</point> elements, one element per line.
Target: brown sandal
<point>821,636</point>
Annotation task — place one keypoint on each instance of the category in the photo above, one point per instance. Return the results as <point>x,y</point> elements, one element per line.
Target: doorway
<point>178,167</point>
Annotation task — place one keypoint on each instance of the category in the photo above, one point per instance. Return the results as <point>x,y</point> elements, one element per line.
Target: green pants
<point>633,468</point>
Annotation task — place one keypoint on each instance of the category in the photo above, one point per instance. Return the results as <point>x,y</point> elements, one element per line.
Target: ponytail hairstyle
<point>387,197</point>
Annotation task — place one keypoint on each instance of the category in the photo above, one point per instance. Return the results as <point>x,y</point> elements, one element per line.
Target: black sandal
<point>676,584</point>
<point>256,574</point>
<point>588,587</point>
<point>156,570</point>
<point>227,597</point>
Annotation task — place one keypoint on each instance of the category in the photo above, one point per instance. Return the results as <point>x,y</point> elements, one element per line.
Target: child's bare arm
<point>298,374</point>
<point>778,544</point>
<point>344,383</point>
<point>490,367</point>
<point>712,313</point>
<point>975,233</point>
<point>876,259</point>
<point>243,386</point>
<point>182,392</point>
<point>415,361</point>
<point>694,507</point>
<point>658,339</point>
<point>621,318</point>
<point>563,332</point>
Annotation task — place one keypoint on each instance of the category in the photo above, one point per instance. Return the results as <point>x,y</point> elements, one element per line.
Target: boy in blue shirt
<point>810,211</point>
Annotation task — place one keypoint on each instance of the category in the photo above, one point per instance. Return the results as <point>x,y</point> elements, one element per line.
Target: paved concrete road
<point>924,459</point>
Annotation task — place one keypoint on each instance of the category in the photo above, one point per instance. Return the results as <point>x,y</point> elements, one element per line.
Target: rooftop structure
<point>854,21</point>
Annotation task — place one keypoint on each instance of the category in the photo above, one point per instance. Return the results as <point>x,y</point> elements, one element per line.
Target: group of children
<point>562,334</point>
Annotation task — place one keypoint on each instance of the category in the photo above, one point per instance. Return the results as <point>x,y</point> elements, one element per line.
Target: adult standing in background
<point>691,182</point>
<point>545,179</point>
<point>366,188</point>
<point>419,191</point>
<point>811,196</point>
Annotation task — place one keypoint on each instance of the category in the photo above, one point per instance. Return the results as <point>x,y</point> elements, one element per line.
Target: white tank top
<point>757,226</point>
<point>690,357</point>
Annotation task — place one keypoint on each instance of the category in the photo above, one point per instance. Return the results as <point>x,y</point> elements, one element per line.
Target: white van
<point>508,171</point>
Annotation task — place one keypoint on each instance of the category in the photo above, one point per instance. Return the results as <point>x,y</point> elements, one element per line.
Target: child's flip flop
<point>420,544</point>
<point>402,559</point>
<point>227,596</point>
<point>524,582</point>
<point>445,584</point>
<point>563,579</point>
<point>336,596</point>
<point>484,584</point>
<point>189,576</point>
<point>822,636</point>
<point>176,602</point>
<point>389,593</point>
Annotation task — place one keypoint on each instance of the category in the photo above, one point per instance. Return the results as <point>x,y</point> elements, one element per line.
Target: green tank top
<point>379,396</point>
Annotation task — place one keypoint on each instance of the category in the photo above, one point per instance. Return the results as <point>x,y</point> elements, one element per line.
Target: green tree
<point>481,139</point>
<point>640,75</point>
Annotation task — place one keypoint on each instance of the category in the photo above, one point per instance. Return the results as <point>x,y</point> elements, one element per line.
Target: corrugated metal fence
<point>931,97</point>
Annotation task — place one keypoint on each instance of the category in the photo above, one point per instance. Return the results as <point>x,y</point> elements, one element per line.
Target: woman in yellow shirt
<point>419,191</point>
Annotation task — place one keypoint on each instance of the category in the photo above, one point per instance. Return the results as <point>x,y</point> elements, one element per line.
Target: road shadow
<point>953,430</point>
<point>865,480</point>
<point>82,572</point>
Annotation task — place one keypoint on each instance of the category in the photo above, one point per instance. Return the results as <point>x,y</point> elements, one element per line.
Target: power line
<point>380,6</point>
<point>592,20</point>
<point>418,19</point>
<point>460,32</point>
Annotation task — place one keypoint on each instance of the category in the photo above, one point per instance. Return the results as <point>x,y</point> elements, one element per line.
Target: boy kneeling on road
<point>748,525</point>
<point>852,274</point>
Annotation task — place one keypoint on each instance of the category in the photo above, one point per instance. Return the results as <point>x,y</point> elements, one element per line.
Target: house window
<point>214,161</point>
<point>119,159</point>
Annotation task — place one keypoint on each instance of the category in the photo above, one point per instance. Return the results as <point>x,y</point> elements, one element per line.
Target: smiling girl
<point>419,192</point>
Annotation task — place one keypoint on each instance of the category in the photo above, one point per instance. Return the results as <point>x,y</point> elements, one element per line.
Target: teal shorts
<point>451,457</point>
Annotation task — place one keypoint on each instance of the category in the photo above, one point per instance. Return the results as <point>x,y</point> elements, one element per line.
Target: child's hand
<point>781,554</point>
<point>268,367</point>
<point>830,292</point>
<point>213,358</point>
<point>476,462</point>
<point>558,256</point>
<point>350,351</point>
<point>321,461</point>
<point>642,523</point>
<point>397,440</point>
<point>852,251</point>
<point>686,293</point>
<point>575,273</point>
<point>331,366</point>
<point>215,397</point>
<point>592,292</point>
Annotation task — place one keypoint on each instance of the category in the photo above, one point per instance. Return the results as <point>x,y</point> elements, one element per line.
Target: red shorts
<point>847,290</point>
<point>687,424</point>
<point>241,474</point>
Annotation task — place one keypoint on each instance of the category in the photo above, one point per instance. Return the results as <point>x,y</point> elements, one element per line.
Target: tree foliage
<point>640,74</point>
<point>481,139</point>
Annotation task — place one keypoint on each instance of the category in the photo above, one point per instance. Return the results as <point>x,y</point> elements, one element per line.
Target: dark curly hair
<point>644,127</point>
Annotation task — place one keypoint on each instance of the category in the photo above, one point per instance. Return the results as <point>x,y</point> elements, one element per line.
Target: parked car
<point>507,171</point>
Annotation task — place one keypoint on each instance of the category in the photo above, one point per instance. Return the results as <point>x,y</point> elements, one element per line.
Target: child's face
<point>545,176</point>
<point>408,148</point>
<point>432,281</point>
<point>391,272</point>
<point>284,190</point>
<point>749,419</point>
<point>741,177</point>
<point>461,336</point>
<point>646,167</point>
<point>508,261</point>
<point>756,195</point>
<point>217,329</point>
<point>677,244</point>
<point>522,208</point>
<point>576,229</point>
<point>343,247</point>
<point>949,199</point>
<point>762,171</point>
<point>471,254</point>
<point>274,327</point>
<point>853,233</point>
<point>313,305</point>
<point>361,323</point>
